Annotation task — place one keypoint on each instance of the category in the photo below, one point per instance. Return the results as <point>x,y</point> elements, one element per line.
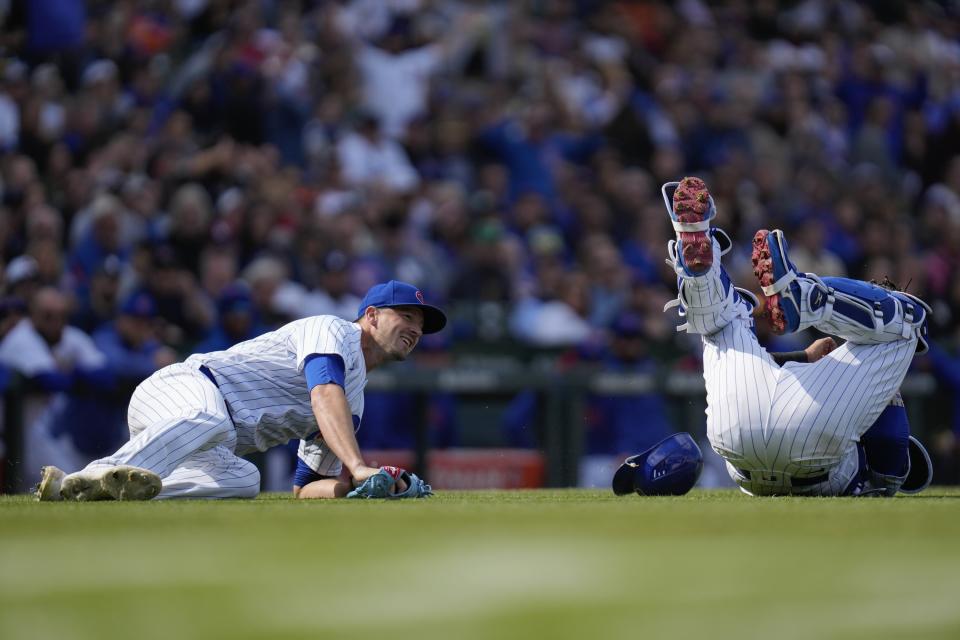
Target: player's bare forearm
<point>326,488</point>
<point>820,348</point>
<point>816,350</point>
<point>336,427</point>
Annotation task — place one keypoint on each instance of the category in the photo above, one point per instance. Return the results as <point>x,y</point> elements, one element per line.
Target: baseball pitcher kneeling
<point>189,422</point>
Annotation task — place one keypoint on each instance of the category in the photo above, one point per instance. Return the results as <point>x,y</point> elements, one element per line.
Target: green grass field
<point>535,564</point>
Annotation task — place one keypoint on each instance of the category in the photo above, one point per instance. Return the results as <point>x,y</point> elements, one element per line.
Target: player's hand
<point>391,482</point>
<point>362,473</point>
<point>820,348</point>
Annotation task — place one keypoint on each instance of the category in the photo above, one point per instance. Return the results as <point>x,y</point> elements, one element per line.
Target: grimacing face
<point>399,330</point>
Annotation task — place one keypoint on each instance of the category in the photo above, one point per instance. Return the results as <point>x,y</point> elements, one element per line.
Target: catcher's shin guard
<point>920,474</point>
<point>857,311</point>
<point>708,302</point>
<point>886,448</point>
<point>691,209</point>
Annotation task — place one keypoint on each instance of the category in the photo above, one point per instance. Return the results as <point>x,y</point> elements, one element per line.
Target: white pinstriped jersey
<point>263,384</point>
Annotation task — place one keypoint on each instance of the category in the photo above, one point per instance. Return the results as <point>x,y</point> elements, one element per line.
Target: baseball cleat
<point>111,483</point>
<point>50,480</point>
<point>691,208</point>
<point>776,274</point>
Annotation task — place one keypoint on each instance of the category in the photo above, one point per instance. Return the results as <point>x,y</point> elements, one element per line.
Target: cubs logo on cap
<point>401,294</point>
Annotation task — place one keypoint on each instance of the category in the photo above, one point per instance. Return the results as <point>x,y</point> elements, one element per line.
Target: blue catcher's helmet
<point>669,468</point>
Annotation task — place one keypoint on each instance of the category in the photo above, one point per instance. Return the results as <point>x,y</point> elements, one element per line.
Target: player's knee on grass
<point>251,491</point>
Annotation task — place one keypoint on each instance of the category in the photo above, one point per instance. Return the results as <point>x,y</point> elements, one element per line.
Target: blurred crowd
<point>180,175</point>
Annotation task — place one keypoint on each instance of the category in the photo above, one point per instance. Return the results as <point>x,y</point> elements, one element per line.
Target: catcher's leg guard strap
<point>710,302</point>
<point>861,312</point>
<point>721,242</point>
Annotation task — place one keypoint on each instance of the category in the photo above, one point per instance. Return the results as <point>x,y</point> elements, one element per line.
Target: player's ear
<point>371,315</point>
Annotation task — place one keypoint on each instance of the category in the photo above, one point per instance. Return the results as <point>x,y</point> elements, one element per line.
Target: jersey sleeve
<point>323,335</point>
<point>324,369</point>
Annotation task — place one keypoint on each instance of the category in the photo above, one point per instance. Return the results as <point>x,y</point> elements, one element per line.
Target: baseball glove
<point>383,483</point>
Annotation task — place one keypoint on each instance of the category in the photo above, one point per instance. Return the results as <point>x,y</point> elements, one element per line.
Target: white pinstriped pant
<point>181,430</point>
<point>799,420</point>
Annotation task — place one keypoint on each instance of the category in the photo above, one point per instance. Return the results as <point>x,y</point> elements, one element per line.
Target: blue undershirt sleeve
<point>324,368</point>
<point>304,475</point>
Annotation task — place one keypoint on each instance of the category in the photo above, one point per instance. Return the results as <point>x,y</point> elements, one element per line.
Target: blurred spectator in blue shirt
<point>236,321</point>
<point>186,311</point>
<point>100,304</point>
<point>133,352</point>
<point>131,343</point>
<point>101,239</point>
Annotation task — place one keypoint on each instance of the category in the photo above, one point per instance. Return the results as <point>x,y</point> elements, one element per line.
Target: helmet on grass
<point>669,468</point>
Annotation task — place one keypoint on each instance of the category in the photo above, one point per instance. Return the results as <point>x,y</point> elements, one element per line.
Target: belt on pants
<point>795,482</point>
<point>205,370</point>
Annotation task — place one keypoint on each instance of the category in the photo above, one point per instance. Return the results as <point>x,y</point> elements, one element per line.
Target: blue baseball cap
<point>401,294</point>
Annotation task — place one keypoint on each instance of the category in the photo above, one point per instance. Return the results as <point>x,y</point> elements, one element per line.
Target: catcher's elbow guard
<point>670,467</point>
